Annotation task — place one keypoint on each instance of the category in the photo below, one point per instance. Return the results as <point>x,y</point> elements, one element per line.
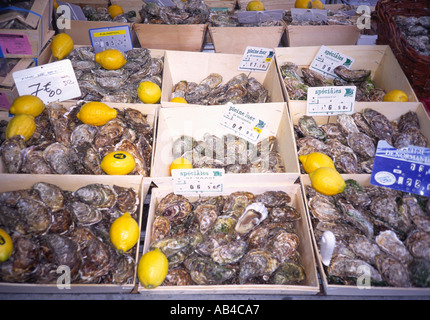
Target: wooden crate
<point>183,37</point>
<point>196,66</point>
<point>332,35</point>
<point>386,72</point>
<point>236,39</point>
<point>255,185</point>
<point>341,290</point>
<point>40,19</point>
<point>151,110</point>
<point>196,121</point>
<point>72,183</point>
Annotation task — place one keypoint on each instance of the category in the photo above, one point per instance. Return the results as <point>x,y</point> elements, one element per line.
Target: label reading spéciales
<point>198,181</point>
<point>323,101</point>
<point>328,59</point>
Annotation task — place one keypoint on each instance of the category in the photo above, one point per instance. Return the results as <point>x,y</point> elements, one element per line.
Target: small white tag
<point>323,101</point>
<point>254,17</point>
<point>242,124</point>
<point>50,82</point>
<point>328,59</point>
<point>256,59</point>
<point>198,181</point>
<point>111,38</point>
<point>316,15</point>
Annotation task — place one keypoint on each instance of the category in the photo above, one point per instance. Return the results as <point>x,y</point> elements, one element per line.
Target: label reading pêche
<point>111,38</point>
<point>326,101</point>
<point>256,59</point>
<point>407,169</point>
<point>198,181</point>
<point>50,82</point>
<point>328,59</point>
<point>242,124</point>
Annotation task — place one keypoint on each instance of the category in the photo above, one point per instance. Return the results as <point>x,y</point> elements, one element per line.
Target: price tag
<point>328,59</point>
<point>405,169</point>
<point>242,124</point>
<point>254,17</point>
<point>256,59</point>
<point>15,44</point>
<point>316,15</point>
<point>111,38</point>
<point>323,101</point>
<point>50,82</point>
<point>162,3</point>
<point>198,181</point>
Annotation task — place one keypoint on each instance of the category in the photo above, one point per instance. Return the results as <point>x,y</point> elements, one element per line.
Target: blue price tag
<point>111,38</point>
<point>406,169</point>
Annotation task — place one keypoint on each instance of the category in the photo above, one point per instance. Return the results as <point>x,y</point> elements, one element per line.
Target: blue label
<point>405,169</point>
<point>1,53</point>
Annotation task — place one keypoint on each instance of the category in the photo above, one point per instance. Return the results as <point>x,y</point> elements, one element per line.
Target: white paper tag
<point>328,59</point>
<point>111,38</point>
<point>162,3</point>
<point>50,82</point>
<point>254,17</point>
<point>242,124</point>
<point>324,101</point>
<point>198,181</point>
<point>256,59</point>
<point>316,15</point>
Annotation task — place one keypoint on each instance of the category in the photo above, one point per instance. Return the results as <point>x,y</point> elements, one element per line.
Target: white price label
<point>111,38</point>
<point>198,181</point>
<point>328,59</point>
<point>242,124</point>
<point>50,82</point>
<point>256,59</point>
<point>323,101</point>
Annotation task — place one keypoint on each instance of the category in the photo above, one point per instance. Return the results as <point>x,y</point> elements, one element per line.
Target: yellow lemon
<point>317,4</point>
<point>179,100</point>
<point>61,46</point>
<point>56,5</point>
<point>315,160</point>
<point>21,125</point>
<point>149,92</point>
<point>118,163</point>
<point>180,163</point>
<point>6,246</point>
<point>96,113</point>
<point>327,181</point>
<point>124,232</point>
<point>303,4</point>
<point>111,59</point>
<point>115,10</point>
<point>152,269</point>
<point>396,96</point>
<point>255,6</point>
<point>27,104</point>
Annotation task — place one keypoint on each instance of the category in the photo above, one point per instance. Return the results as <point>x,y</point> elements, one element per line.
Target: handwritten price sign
<point>50,82</point>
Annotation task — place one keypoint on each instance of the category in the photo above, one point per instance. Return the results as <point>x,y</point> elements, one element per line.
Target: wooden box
<point>331,35</point>
<point>385,69</point>
<point>72,183</point>
<point>196,121</point>
<point>236,39</point>
<point>257,186</point>
<point>38,18</point>
<point>196,66</point>
<point>358,290</point>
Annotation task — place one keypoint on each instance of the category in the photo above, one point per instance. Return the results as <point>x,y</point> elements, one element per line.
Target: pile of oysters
<point>183,12</point>
<point>352,141</point>
<point>381,230</point>
<point>241,238</point>
<point>62,144</point>
<point>53,229</point>
<point>99,84</point>
<point>297,86</point>
<point>210,91</point>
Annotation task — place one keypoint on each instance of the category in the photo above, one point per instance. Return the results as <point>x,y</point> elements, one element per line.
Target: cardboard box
<point>39,18</point>
<point>386,71</point>
<point>196,121</point>
<point>182,37</point>
<point>72,183</point>
<point>246,183</point>
<point>236,39</point>
<point>151,110</point>
<point>340,290</point>
<point>196,66</point>
<point>8,90</point>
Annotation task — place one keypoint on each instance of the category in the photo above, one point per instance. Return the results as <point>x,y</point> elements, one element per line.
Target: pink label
<point>15,44</point>
<point>4,101</point>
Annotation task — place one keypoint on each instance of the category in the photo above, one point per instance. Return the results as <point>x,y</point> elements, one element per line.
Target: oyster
<point>83,214</point>
<point>389,243</point>
<point>257,263</point>
<point>411,136</point>
<point>272,199</point>
<point>174,207</point>
<point>97,195</point>
<point>323,209</point>
<point>393,271</point>
<point>357,217</point>
<point>253,215</point>
<point>204,271</point>
<point>283,245</point>
<point>344,267</point>
<point>96,260</point>
<point>33,162</point>
<point>35,216</point>
<point>419,271</point>
<point>177,277</point>
<point>11,153</point>
<point>50,194</point>
<point>57,155</point>
<point>83,133</point>
<point>171,245</point>
<point>362,144</point>
<point>236,203</point>
<point>160,228</point>
<point>364,248</point>
<point>309,128</point>
<point>351,75</point>
<point>288,273</point>
<point>229,253</point>
<point>206,216</point>
<point>284,214</point>
<point>126,199</point>
<point>315,79</point>
<point>418,243</point>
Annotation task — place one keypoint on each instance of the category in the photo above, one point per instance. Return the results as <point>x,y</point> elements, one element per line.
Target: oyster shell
<point>174,207</point>
<point>83,214</point>
<point>283,245</point>
<point>393,271</point>
<point>160,228</point>
<point>206,216</point>
<point>284,214</point>
<point>289,273</point>
<point>389,243</point>
<point>51,195</point>
<point>177,277</point>
<point>229,253</point>
<point>272,199</point>
<point>323,209</point>
<point>357,217</point>
<point>351,75</point>
<point>309,128</point>
<point>57,155</point>
<point>344,267</point>
<point>11,153</point>
<point>257,263</point>
<point>418,243</point>
<point>236,203</point>
<point>253,215</point>
<point>35,216</point>
<point>204,271</point>
<point>97,195</point>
